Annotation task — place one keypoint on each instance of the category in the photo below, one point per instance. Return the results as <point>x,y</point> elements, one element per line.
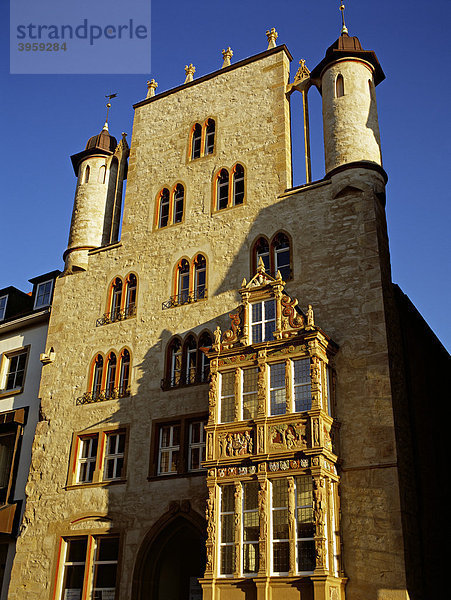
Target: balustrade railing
<point>102,395</point>
<point>185,298</point>
<point>117,315</point>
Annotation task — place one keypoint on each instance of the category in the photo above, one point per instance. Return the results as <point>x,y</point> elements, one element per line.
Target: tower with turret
<point>228,414</point>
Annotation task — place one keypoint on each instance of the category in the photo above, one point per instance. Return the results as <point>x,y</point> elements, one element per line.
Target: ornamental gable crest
<point>264,298</point>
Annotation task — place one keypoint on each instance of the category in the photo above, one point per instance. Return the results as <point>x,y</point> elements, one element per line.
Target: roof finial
<point>272,36</point>
<point>151,87</point>
<point>189,70</point>
<point>108,106</point>
<point>344,29</point>
<point>227,55</point>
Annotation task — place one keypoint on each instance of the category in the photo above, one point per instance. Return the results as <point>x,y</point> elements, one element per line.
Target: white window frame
<point>194,445</point>
<point>297,538</point>
<point>222,544</point>
<point>271,532</point>
<point>302,384</point>
<point>115,456</point>
<point>3,304</point>
<point>262,322</point>
<point>170,448</point>
<point>89,459</point>
<point>96,562</point>
<point>252,542</point>
<point>222,397</point>
<point>275,389</point>
<point>43,304</point>
<point>244,394</point>
<point>6,366</point>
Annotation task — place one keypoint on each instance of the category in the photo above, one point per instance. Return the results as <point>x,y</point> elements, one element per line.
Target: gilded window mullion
<point>289,385</point>
<point>292,525</point>
<point>315,382</point>
<point>320,514</point>
<point>262,388</point>
<point>213,393</point>
<point>238,387</point>
<point>238,517</point>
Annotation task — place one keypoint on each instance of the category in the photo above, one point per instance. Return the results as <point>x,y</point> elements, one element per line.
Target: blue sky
<point>46,118</point>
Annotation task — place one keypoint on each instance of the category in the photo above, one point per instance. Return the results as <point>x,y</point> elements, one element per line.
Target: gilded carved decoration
<point>236,444</point>
<point>288,436</point>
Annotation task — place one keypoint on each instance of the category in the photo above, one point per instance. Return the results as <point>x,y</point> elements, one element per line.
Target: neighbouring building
<point>240,404</point>
<point>24,320</point>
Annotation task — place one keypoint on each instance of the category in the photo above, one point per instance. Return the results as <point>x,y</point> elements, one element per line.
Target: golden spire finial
<point>344,29</point>
<point>151,87</point>
<point>227,55</point>
<point>108,106</point>
<point>272,36</point>
<point>189,70</point>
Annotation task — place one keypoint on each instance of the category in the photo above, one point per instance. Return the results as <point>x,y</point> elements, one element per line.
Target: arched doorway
<point>171,559</point>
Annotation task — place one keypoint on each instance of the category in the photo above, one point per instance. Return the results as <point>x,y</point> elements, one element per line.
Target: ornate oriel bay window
<point>272,509</point>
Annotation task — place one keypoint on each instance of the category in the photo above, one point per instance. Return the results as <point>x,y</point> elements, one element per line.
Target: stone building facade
<point>227,414</point>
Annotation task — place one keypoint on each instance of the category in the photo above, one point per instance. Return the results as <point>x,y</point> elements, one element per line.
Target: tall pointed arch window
<point>97,375</point>
<point>130,300</point>
<point>222,189</point>
<point>261,250</point>
<point>276,255</point>
<point>339,86</point>
<point>200,277</point>
<point>116,299</point>
<point>190,360</point>
<point>183,281</point>
<point>124,374</point>
<point>196,141</point>
<point>210,136</point>
<point>163,217</point>
<point>281,249</point>
<point>110,375</point>
<point>179,199</point>
<point>205,343</point>
<point>175,362</point>
<point>238,185</point>
<point>86,174</point>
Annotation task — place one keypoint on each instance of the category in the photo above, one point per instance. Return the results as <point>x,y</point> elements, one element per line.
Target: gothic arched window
<point>222,190</point>
<point>339,86</point>
<point>282,261</point>
<point>124,374</point>
<point>196,141</point>
<point>97,375</point>
<point>175,362</point>
<point>189,359</point>
<point>261,250</point>
<point>178,200</point>
<point>116,299</point>
<point>163,214</point>
<point>130,299</point>
<point>203,362</point>
<point>209,136</point>
<point>238,185</point>
<point>200,277</point>
<point>110,382</point>
<point>182,283</point>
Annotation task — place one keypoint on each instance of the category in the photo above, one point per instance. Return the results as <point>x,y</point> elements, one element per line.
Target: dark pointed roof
<point>347,46</point>
<point>102,143</point>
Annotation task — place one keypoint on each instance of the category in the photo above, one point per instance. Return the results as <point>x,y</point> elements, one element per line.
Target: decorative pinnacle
<point>227,55</point>
<point>108,106</point>
<point>344,29</point>
<point>272,36</point>
<point>151,87</point>
<point>189,70</point>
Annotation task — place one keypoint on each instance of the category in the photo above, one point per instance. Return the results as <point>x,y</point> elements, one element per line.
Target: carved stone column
<point>210,515</point>
<point>237,394</point>
<point>213,394</point>
<point>320,513</point>
<point>315,378</point>
<point>289,386</point>
<point>238,513</point>
<point>263,518</point>
<point>261,384</point>
<point>292,525</point>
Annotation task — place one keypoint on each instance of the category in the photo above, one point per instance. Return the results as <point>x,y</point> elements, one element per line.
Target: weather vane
<point>344,29</point>
<point>108,106</point>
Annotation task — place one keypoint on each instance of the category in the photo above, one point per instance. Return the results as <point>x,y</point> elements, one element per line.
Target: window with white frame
<point>86,555</point>
<point>196,445</point>
<point>169,449</point>
<point>114,455</point>
<point>280,528</point>
<point>227,530</point>
<point>250,528</point>
<point>249,393</point>
<point>100,457</point>
<point>43,294</point>
<point>87,458</point>
<point>277,389</point>
<point>15,364</point>
<point>301,385</point>
<point>3,302</point>
<point>305,524</point>
<point>263,321</point>
<point>227,397</point>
